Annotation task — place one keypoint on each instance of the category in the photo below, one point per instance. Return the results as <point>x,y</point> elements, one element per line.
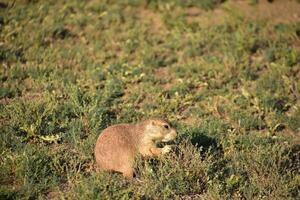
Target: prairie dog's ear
<point>152,122</point>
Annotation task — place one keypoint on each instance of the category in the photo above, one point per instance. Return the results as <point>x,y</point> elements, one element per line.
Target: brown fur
<point>118,145</point>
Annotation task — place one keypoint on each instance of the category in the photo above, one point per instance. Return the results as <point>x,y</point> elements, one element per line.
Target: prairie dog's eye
<point>166,126</point>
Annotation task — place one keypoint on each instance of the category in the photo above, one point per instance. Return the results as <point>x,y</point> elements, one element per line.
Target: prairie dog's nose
<point>170,136</point>
<point>174,132</point>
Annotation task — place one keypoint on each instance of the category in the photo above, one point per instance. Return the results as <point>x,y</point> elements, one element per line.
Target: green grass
<point>71,68</point>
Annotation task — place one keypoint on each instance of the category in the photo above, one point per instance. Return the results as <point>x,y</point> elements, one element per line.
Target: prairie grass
<point>229,84</point>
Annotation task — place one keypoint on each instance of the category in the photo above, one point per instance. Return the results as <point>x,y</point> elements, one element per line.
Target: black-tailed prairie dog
<point>118,145</point>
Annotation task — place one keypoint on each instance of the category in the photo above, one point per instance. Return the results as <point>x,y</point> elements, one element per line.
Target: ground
<point>226,74</point>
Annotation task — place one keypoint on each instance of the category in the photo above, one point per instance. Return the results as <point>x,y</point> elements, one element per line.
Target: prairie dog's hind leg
<point>126,166</point>
<point>128,172</point>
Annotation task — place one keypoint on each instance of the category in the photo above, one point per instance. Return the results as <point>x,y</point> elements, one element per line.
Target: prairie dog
<point>118,145</point>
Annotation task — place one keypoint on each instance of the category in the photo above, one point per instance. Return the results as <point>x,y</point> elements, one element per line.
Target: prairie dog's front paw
<point>166,149</point>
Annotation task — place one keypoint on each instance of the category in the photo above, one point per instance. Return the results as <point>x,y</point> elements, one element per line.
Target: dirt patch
<point>194,11</point>
<point>156,23</point>
<point>278,11</point>
<point>164,74</point>
<point>24,97</point>
<point>206,18</point>
<point>190,121</point>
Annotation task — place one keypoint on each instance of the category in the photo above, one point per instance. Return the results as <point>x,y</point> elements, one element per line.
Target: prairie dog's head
<point>159,130</point>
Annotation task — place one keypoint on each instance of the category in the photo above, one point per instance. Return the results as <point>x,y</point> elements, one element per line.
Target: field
<point>226,74</point>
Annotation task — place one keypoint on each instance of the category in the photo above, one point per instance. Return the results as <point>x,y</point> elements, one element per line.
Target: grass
<point>230,86</point>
